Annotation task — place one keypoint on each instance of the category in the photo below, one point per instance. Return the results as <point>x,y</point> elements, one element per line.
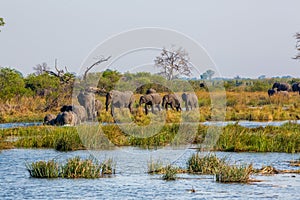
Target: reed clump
<point>208,164</point>
<point>234,173</point>
<point>73,168</point>
<point>170,173</point>
<point>212,165</point>
<point>44,169</point>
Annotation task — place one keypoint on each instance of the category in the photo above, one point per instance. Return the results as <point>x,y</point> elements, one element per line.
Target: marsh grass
<point>234,173</point>
<point>43,169</point>
<point>73,168</point>
<point>236,138</point>
<point>170,173</point>
<point>208,164</point>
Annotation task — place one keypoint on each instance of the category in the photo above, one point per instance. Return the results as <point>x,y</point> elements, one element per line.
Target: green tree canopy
<point>11,84</point>
<point>2,23</point>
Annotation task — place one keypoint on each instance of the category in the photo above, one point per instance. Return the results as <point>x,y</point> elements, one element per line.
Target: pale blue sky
<point>243,37</point>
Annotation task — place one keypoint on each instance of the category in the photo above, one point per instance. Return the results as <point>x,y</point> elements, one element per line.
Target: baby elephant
<point>271,92</point>
<point>190,100</point>
<point>151,100</point>
<point>172,101</point>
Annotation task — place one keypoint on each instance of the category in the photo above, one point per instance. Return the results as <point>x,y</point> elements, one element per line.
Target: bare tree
<point>297,36</point>
<point>101,60</point>
<point>173,63</point>
<point>41,68</point>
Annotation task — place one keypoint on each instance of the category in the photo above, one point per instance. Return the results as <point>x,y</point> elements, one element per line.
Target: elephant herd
<point>284,89</point>
<point>90,107</point>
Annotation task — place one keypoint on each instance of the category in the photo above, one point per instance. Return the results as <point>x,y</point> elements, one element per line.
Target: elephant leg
<point>166,106</point>
<point>158,106</point>
<point>146,109</point>
<point>112,110</point>
<point>172,107</point>
<point>152,108</point>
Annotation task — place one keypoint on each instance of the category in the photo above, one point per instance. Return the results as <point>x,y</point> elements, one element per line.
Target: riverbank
<point>240,105</point>
<point>232,137</point>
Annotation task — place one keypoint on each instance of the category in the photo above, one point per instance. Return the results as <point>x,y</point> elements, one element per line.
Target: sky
<point>248,38</point>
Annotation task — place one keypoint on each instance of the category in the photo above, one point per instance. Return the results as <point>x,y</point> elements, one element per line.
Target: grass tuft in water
<point>209,164</point>
<point>234,173</point>
<point>170,173</point>
<point>73,168</point>
<point>43,169</point>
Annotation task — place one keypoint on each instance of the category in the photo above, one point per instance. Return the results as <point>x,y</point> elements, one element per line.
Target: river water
<point>248,124</point>
<point>132,182</point>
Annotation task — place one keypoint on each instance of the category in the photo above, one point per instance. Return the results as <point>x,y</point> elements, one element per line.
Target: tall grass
<point>285,138</point>
<point>209,164</point>
<point>73,168</point>
<point>43,169</point>
<point>234,173</point>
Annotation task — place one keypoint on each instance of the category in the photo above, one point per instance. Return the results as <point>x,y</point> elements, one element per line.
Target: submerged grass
<point>73,168</point>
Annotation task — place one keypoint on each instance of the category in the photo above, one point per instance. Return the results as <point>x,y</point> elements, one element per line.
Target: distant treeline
<point>14,85</point>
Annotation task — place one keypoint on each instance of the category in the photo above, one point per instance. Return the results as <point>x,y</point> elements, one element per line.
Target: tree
<point>297,36</point>
<point>210,73</point>
<point>173,63</point>
<point>207,75</point>
<point>2,23</point>
<point>11,84</point>
<point>41,68</point>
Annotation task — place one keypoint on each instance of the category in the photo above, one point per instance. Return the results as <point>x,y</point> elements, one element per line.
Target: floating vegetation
<point>267,170</point>
<point>73,168</point>
<point>295,163</point>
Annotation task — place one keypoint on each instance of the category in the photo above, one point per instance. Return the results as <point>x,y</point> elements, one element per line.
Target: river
<point>132,182</point>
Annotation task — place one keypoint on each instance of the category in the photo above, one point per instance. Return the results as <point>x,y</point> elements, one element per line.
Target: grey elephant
<point>66,118</point>
<point>151,100</point>
<point>172,101</point>
<point>190,100</point>
<point>151,91</point>
<point>69,118</point>
<point>79,110</point>
<point>271,92</point>
<point>296,87</point>
<point>118,99</point>
<point>49,119</point>
<point>87,100</point>
<point>282,86</point>
<point>98,107</point>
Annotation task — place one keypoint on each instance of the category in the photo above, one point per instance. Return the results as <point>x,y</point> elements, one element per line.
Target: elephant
<point>150,91</point>
<point>281,86</point>
<point>119,99</point>
<point>87,100</point>
<point>150,99</point>
<point>98,107</point>
<point>79,110</point>
<point>67,118</point>
<point>271,92</point>
<point>284,94</point>
<point>190,100</point>
<point>171,100</point>
<point>296,87</point>
<point>49,119</point>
